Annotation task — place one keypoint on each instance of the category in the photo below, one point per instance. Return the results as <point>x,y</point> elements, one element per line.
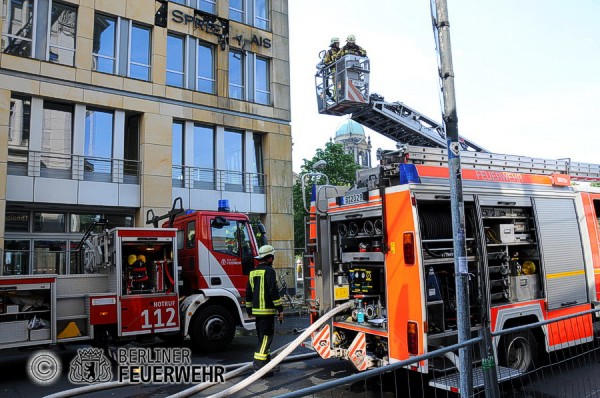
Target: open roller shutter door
<point>562,252</point>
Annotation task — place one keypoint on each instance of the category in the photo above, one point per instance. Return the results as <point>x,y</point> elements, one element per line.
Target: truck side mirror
<point>219,222</point>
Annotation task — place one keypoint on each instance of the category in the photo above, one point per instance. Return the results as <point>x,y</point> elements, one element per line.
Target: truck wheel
<point>519,351</point>
<point>213,329</point>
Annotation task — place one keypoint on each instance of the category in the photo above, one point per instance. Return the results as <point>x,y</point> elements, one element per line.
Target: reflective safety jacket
<point>262,295</point>
<point>331,56</point>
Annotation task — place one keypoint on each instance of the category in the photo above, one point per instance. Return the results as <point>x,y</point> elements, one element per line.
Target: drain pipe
<point>265,369</point>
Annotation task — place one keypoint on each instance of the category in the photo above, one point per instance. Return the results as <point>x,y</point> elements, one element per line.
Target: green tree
<point>341,171</point>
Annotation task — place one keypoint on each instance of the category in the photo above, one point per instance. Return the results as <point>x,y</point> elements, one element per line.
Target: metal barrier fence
<point>569,372</point>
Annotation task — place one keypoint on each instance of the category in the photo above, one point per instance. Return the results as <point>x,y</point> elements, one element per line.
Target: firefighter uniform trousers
<point>265,328</point>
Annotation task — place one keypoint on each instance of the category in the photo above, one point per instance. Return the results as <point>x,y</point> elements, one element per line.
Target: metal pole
<point>442,27</point>
<point>488,364</point>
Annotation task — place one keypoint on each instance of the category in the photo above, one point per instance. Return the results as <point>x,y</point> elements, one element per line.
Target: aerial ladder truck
<point>532,236</point>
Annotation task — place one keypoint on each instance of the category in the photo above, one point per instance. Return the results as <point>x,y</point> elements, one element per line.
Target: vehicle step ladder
<point>506,163</point>
<point>450,382</point>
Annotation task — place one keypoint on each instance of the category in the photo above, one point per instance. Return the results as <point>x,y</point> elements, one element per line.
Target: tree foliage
<point>341,171</point>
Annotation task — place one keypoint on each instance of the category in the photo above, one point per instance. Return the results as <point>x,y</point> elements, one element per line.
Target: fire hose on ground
<point>268,367</point>
<point>282,355</point>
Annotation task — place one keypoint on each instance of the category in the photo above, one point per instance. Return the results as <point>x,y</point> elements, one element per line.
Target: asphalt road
<point>15,381</point>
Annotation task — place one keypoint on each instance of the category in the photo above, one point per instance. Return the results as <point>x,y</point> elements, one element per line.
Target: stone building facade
<point>111,108</point>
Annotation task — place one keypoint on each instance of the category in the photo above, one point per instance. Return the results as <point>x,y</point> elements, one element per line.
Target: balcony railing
<point>217,180</point>
<point>73,167</point>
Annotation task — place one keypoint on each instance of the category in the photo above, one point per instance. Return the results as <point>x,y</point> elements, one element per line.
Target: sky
<point>527,72</point>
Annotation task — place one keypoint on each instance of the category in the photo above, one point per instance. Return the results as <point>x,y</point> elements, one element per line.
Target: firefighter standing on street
<point>263,301</point>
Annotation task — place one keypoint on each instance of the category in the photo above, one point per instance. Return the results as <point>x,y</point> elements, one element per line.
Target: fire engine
<point>186,278</point>
<point>532,243</point>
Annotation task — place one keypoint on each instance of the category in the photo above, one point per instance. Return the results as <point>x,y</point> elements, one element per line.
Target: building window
<point>177,155</point>
<point>262,93</point>
<point>257,15</point>
<point>57,133</point>
<point>79,223</point>
<point>43,29</point>
<point>49,222</point>
<point>63,24</point>
<point>49,256</point>
<point>257,177</point>
<point>236,75</point>
<point>104,46</point>
<point>121,47</point>
<point>236,10</point>
<point>17,27</point>
<point>140,48</point>
<point>175,60</point>
<point>203,175</point>
<point>206,69</point>
<point>209,6</point>
<point>18,135</point>
<point>261,14</point>
<point>234,161</point>
<point>16,257</point>
<point>98,145</point>
<point>190,54</point>
<point>249,77</point>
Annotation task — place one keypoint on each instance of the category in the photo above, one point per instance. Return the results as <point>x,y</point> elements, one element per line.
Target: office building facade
<point>110,109</point>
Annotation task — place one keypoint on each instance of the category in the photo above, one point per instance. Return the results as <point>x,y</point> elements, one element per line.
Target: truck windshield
<point>232,239</point>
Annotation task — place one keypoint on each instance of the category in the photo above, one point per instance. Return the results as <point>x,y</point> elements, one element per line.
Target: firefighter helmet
<point>264,251</point>
<point>142,258</point>
<point>334,40</point>
<point>351,38</point>
<point>132,258</point>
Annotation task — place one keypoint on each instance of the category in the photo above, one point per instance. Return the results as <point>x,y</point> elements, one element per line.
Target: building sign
<point>205,22</point>
<point>17,222</point>
<point>259,41</point>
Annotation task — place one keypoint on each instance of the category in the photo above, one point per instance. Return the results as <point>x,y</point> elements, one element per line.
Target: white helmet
<point>334,40</point>
<point>264,251</point>
<point>351,38</point>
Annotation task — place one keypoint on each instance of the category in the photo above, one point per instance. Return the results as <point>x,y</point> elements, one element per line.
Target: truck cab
<point>216,250</point>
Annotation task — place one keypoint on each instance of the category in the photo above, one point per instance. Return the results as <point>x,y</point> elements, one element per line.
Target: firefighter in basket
<point>137,273</point>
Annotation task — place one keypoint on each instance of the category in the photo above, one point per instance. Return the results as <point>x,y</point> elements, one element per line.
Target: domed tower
<point>351,136</point>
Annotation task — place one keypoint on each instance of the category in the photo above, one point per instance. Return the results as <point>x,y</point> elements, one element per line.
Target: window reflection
<point>57,131</point>
<point>234,161</point>
<point>262,92</point>
<point>236,75</point>
<point>17,27</point>
<point>205,65</point>
<point>261,14</point>
<point>49,256</point>
<point>104,55</point>
<point>18,135</point>
<point>175,60</point>
<point>98,144</point>
<point>203,172</point>
<point>236,10</point>
<point>63,23</point>
<point>139,60</point>
<point>16,257</point>
<point>177,155</point>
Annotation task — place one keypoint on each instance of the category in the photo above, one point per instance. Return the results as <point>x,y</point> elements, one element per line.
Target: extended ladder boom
<point>405,125</point>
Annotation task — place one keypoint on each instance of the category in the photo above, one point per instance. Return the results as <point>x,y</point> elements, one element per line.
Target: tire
<point>519,351</point>
<point>213,329</point>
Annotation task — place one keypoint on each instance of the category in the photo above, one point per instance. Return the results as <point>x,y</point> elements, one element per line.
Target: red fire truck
<point>533,254</point>
<point>532,242</point>
<point>184,280</point>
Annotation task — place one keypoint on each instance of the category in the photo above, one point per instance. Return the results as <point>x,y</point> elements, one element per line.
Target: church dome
<point>348,127</point>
